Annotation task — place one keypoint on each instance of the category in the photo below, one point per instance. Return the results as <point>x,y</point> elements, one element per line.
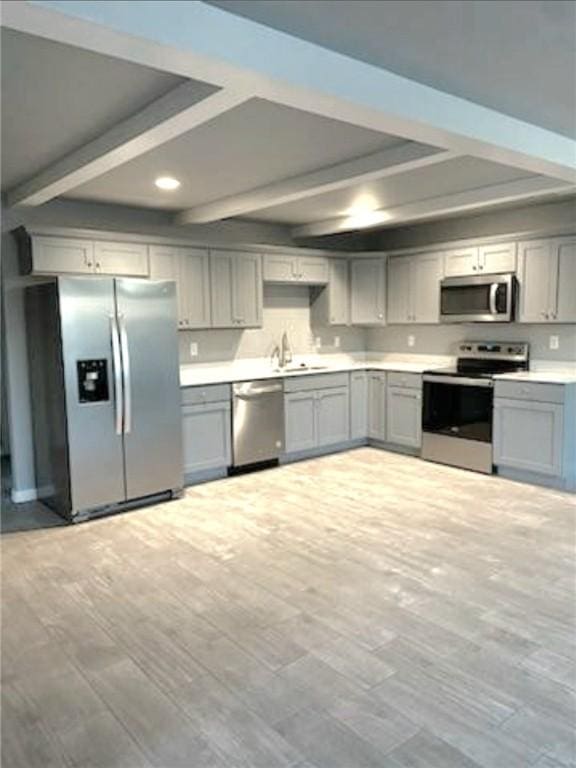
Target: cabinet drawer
<point>527,390</point>
<point>405,380</point>
<point>322,381</point>
<point>213,393</point>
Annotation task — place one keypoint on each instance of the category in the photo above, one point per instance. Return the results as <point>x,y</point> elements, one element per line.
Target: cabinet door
<point>206,436</point>
<point>165,265</point>
<point>62,255</point>
<point>333,416</point>
<point>461,261</point>
<point>312,269</point>
<point>404,417</point>
<point>368,291</point>
<point>399,298</point>
<point>247,290</point>
<point>300,421</point>
<point>498,257</point>
<point>280,268</point>
<point>565,311</point>
<point>121,259</point>
<point>338,293</point>
<point>358,405</point>
<point>528,435</point>
<point>194,282</point>
<point>425,275</point>
<point>377,406</point>
<point>538,280</point>
<point>221,289</point>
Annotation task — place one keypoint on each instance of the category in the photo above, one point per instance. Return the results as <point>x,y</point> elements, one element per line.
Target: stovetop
<point>483,360</point>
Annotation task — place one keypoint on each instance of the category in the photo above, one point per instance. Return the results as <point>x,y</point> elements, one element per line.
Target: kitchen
<point>230,312</point>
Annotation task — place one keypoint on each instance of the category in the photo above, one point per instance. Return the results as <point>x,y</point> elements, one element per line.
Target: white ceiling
<point>515,56</point>
<point>254,144</point>
<point>56,97</point>
<point>450,177</point>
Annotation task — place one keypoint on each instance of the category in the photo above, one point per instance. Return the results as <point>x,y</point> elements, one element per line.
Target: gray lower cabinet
<point>316,416</point>
<point>206,429</point>
<point>358,405</point>
<point>404,416</point>
<point>377,406</point>
<point>300,421</point>
<point>528,435</point>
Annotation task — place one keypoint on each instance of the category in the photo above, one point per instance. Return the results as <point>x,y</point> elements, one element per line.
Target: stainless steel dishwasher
<point>258,421</point>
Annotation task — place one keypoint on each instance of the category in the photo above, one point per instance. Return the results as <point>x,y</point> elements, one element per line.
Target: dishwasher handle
<point>250,394</point>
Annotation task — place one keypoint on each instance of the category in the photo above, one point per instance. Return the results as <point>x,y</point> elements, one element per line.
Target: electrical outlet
<point>554,342</point>
<point>193,349</point>
<point>318,342</point>
<point>336,341</point>
<point>411,340</point>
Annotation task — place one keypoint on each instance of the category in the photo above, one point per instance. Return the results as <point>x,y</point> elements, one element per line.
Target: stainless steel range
<point>458,403</point>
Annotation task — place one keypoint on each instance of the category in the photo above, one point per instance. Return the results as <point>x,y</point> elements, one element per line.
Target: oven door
<point>484,298</point>
<point>458,407</point>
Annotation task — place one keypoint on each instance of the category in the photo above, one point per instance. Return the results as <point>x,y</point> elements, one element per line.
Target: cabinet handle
<point>474,267</point>
<point>553,315</point>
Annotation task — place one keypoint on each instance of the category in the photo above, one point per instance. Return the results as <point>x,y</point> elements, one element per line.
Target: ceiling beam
<point>201,41</point>
<point>510,191</point>
<point>179,111</point>
<point>404,157</point>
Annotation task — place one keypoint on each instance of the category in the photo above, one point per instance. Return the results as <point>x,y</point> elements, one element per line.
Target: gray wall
<point>442,340</point>
<point>286,308</point>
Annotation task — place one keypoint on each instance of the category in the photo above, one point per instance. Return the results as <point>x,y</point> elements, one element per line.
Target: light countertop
<point>202,374</point>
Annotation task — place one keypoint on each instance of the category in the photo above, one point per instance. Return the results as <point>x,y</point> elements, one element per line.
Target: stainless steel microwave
<point>478,299</point>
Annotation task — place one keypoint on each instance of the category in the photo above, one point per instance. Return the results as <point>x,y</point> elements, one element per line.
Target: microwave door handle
<point>117,369</point>
<point>493,293</point>
<point>127,378</point>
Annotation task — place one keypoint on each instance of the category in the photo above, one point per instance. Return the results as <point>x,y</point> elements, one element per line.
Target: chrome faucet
<point>275,357</point>
<point>286,352</point>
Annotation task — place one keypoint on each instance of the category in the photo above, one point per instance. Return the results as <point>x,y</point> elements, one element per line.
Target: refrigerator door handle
<point>127,379</point>
<point>117,366</point>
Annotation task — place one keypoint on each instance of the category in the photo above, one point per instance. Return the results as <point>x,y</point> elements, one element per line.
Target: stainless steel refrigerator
<point>105,392</point>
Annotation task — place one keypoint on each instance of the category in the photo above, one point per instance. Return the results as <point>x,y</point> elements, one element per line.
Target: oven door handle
<point>464,381</point>
<point>493,294</point>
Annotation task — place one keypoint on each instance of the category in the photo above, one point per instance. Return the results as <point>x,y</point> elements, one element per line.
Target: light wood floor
<point>364,610</point>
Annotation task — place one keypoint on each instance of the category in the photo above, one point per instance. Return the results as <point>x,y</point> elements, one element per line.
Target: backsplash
<point>442,339</point>
<point>286,308</point>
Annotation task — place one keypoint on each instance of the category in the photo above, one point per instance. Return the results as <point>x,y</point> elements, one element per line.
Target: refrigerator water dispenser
<point>92,381</point>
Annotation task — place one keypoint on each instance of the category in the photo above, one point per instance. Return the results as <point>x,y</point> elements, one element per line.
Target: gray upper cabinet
<point>358,405</point>
<point>236,289</point>
<point>414,288</point>
<point>190,268</point>
<point>377,406</point>
<point>547,275</point>
<point>331,305</point>
<point>120,258</point>
<point>368,291</point>
<point>287,268</point>
<point>69,255</point>
<point>493,258</point>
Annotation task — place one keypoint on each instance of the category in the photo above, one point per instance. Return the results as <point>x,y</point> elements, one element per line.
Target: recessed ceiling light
<point>167,183</point>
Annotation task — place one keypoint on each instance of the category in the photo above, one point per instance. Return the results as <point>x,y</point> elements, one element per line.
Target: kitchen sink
<point>303,368</point>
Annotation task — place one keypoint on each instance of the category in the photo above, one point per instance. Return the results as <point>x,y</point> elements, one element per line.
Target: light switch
<point>336,341</point>
<point>554,342</point>
<point>411,340</point>
<point>193,349</point>
<point>318,342</point>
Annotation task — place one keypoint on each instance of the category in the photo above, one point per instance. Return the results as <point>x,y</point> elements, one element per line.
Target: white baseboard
<point>28,494</point>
